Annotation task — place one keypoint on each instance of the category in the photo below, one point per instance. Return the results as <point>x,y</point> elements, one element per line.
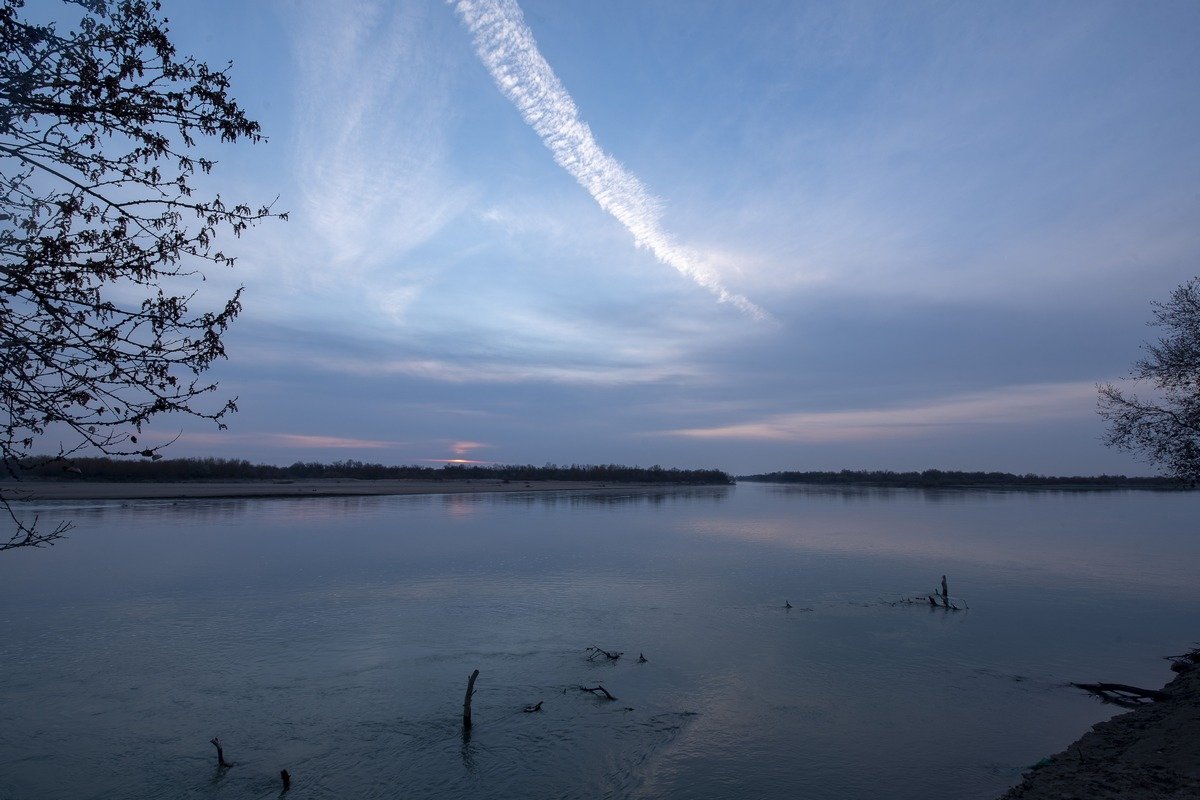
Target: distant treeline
<point>207,469</point>
<point>950,479</point>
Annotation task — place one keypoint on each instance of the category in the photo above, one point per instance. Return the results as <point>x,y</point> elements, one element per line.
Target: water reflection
<point>333,636</point>
<point>944,494</point>
<point>333,507</point>
<point>648,496</point>
<point>1066,537</point>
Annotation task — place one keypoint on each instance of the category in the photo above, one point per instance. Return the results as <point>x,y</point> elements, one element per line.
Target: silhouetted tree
<point>101,234</point>
<point>1164,427</point>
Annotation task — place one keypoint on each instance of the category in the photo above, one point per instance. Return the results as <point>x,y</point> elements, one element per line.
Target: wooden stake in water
<point>467,700</point>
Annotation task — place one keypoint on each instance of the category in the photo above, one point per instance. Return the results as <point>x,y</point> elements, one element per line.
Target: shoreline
<point>1150,753</point>
<point>49,491</point>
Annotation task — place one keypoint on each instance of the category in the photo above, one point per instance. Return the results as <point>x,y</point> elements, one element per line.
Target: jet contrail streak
<point>507,48</point>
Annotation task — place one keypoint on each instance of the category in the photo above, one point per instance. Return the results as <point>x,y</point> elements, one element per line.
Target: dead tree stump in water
<point>941,598</point>
<point>467,700</point>
<point>221,762</point>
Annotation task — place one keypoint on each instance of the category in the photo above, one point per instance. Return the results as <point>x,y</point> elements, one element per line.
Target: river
<point>333,637</point>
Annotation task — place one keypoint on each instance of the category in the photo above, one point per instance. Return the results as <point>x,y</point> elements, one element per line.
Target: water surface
<point>334,637</point>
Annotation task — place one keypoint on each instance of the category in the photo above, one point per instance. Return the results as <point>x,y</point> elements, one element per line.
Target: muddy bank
<point>1151,753</point>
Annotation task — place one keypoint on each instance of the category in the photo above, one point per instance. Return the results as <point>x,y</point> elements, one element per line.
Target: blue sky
<point>755,236</point>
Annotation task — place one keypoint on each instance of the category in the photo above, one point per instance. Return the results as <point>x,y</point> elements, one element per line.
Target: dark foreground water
<point>334,637</point>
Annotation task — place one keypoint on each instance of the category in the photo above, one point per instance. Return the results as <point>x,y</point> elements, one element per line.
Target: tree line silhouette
<point>955,479</point>
<point>202,469</point>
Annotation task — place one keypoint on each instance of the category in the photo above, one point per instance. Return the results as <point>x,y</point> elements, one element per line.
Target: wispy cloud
<point>1008,405</point>
<point>466,372</point>
<point>371,113</point>
<point>461,449</point>
<point>288,440</point>
<point>507,48</point>
<point>510,348</point>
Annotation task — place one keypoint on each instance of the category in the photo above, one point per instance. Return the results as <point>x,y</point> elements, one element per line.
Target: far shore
<point>325,487</point>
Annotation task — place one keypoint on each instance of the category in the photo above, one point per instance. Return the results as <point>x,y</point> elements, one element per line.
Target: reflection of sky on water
<point>1129,540</point>
<point>334,635</point>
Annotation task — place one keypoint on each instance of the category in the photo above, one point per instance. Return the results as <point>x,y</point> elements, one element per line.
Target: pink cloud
<point>297,440</point>
<point>1004,406</point>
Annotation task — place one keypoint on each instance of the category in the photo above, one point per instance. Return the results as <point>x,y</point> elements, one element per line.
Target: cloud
<point>462,371</point>
<point>288,440</point>
<point>464,448</point>
<point>1004,406</point>
<point>507,48</point>
<point>507,348</point>
<point>370,140</point>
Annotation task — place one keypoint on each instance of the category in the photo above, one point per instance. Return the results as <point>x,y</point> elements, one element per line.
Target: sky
<point>752,236</point>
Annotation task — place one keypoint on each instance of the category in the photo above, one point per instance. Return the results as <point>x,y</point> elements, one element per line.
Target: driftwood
<point>945,597</point>
<point>286,778</point>
<point>598,651</point>
<point>1123,694</point>
<point>598,690</point>
<point>938,598</point>
<point>1184,661</point>
<point>221,762</point>
<point>467,701</point>
<point>535,707</point>
<point>928,601</point>
<point>938,601</point>
<point>941,598</point>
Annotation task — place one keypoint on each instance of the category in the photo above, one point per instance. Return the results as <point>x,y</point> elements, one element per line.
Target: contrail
<point>506,47</point>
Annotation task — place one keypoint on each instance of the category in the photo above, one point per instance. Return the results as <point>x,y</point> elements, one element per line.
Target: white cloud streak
<point>1005,406</point>
<point>369,141</point>
<point>506,46</point>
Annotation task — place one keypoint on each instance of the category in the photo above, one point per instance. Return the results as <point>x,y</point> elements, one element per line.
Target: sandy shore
<point>1151,753</point>
<point>332,487</point>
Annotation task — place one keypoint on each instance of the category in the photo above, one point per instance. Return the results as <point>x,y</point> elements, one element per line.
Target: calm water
<point>334,637</point>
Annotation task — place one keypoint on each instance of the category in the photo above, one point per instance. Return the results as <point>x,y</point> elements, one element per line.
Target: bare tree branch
<point>1165,430</point>
<point>98,130</point>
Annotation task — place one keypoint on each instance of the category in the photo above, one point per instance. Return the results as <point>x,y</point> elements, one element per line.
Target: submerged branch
<point>598,690</point>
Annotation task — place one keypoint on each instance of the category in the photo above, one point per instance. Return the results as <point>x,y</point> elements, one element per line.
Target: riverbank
<point>1150,753</point>
<point>40,491</point>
